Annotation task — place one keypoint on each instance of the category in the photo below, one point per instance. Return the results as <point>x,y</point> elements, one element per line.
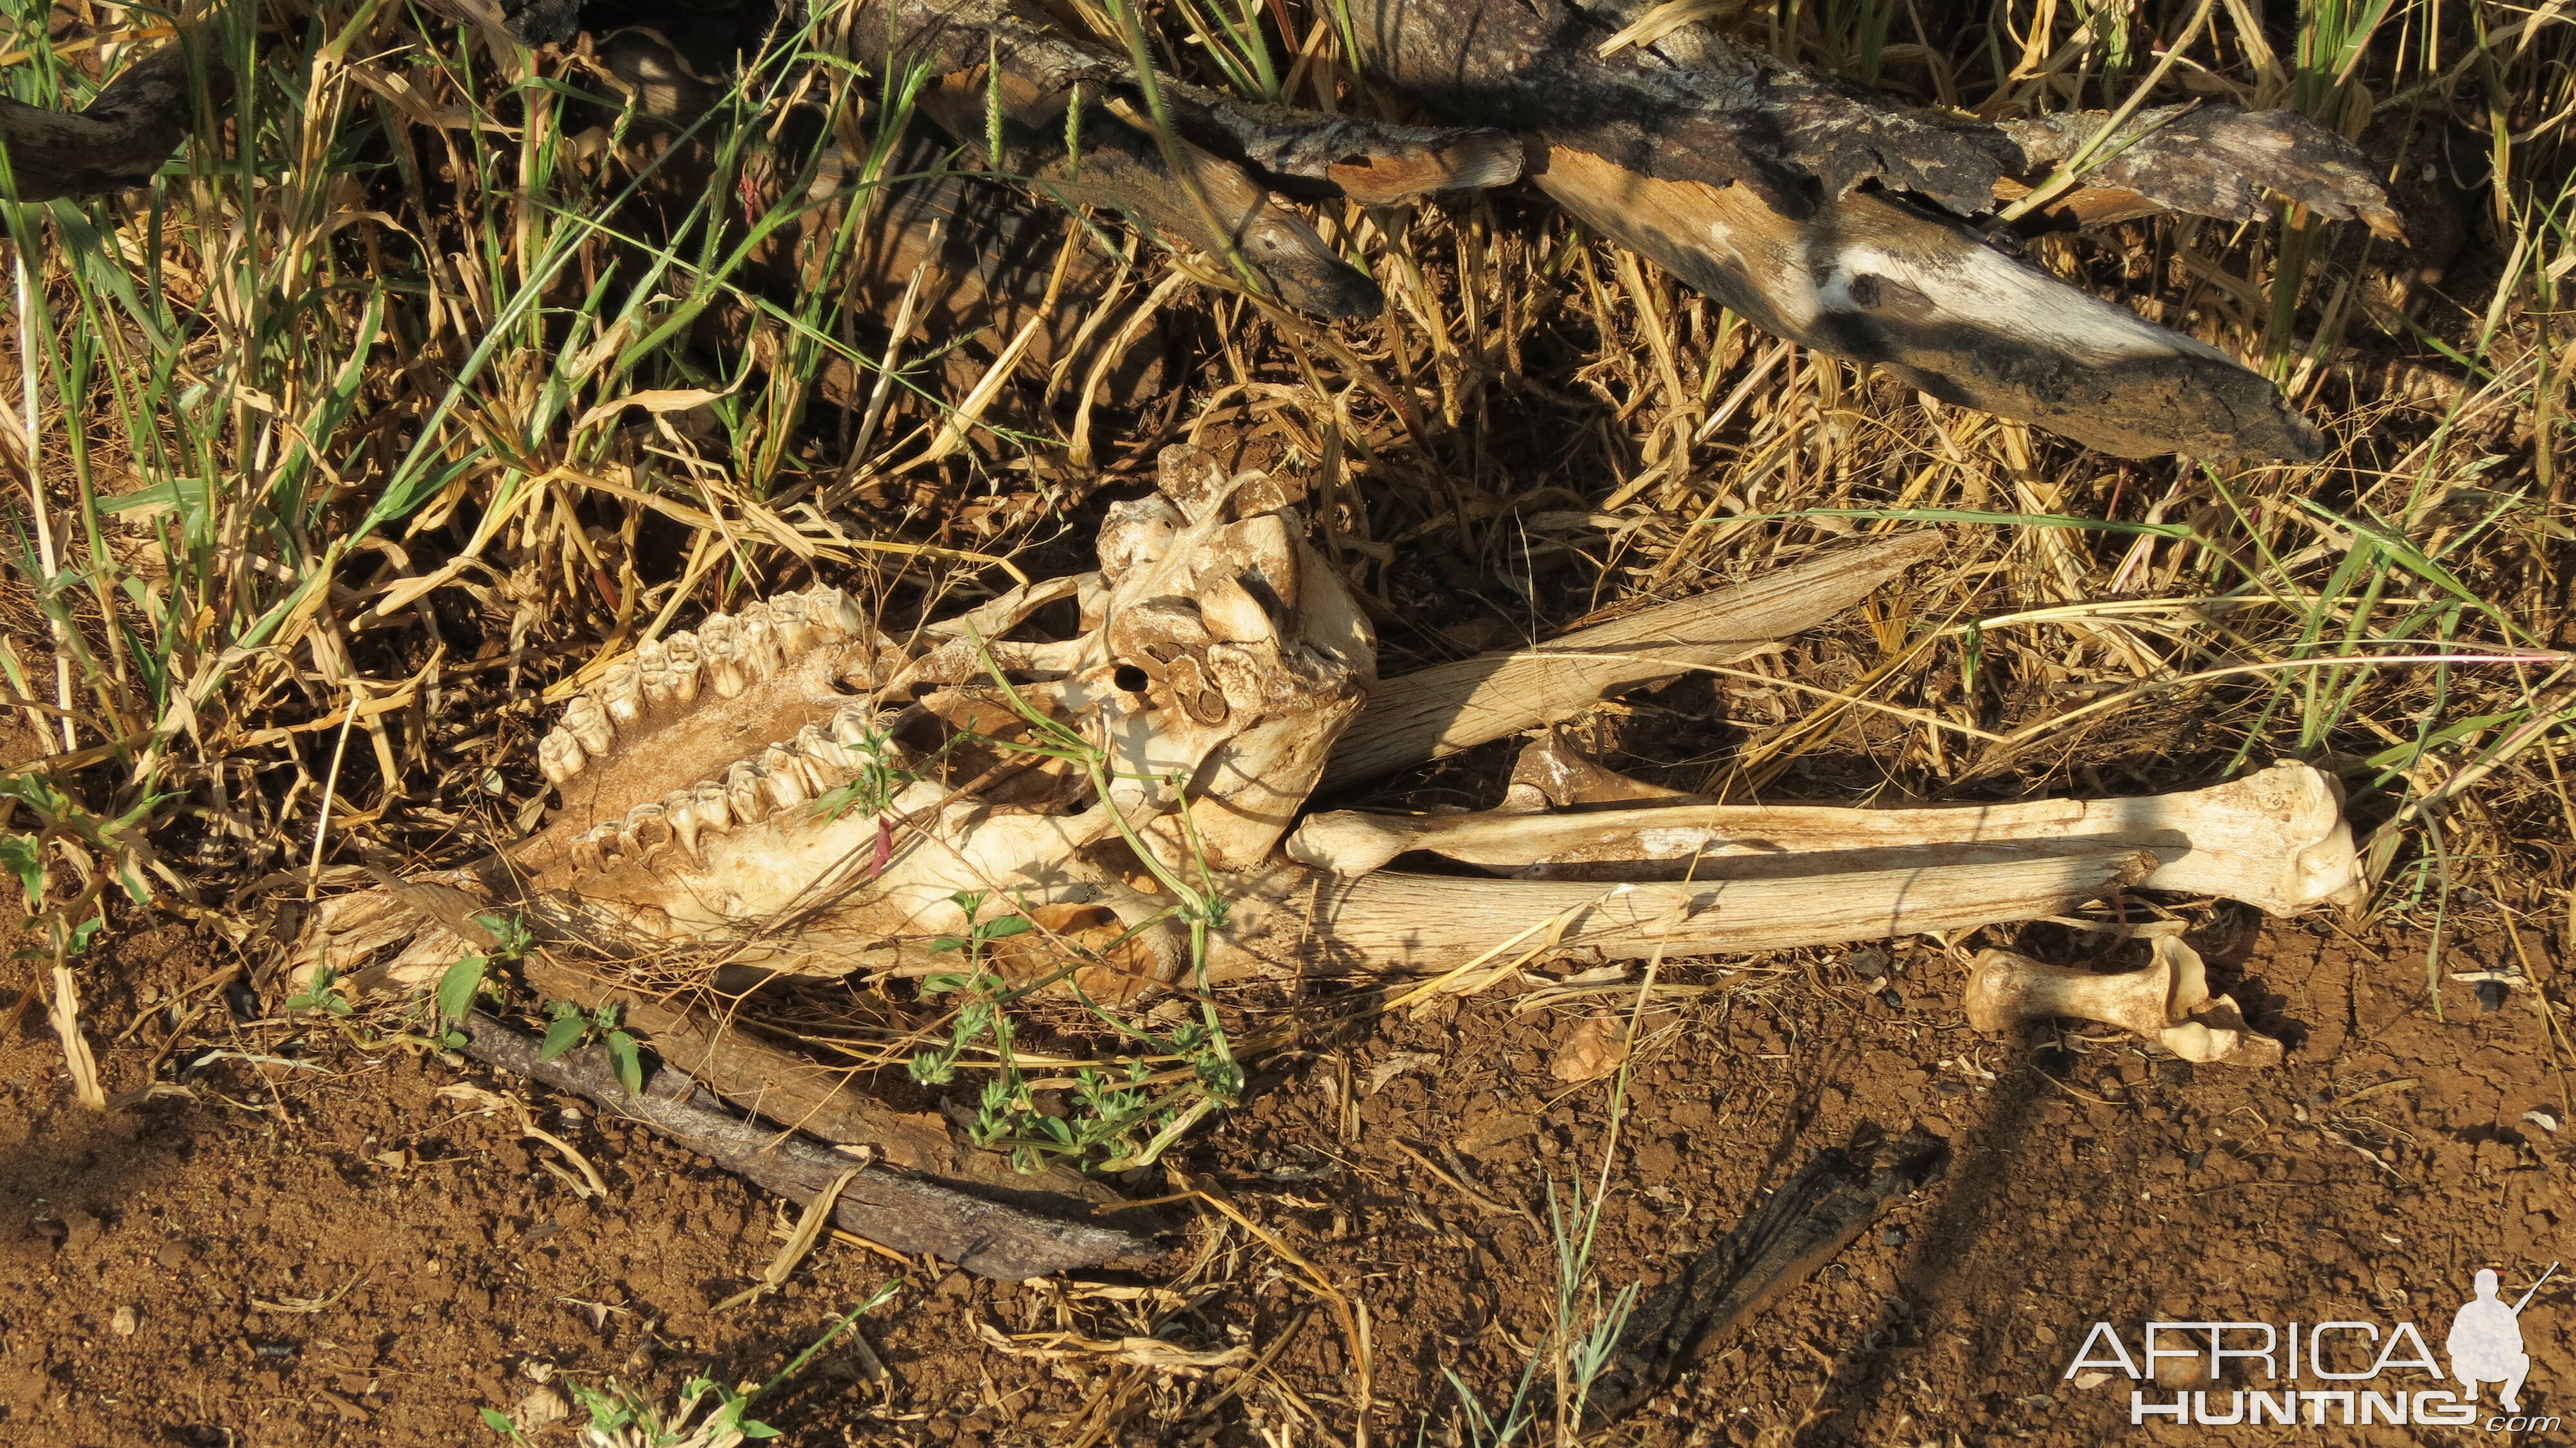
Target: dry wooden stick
<point>986,1238</point>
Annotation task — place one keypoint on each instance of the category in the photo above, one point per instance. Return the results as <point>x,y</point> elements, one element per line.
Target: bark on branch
<point>117,141</point>
<point>986,1238</point>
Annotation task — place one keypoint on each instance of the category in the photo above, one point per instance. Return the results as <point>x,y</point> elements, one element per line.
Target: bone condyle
<point>2166,1001</point>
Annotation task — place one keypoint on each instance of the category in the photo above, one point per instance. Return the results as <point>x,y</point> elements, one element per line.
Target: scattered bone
<point>2167,1001</point>
<point>1596,1047</point>
<point>2275,839</point>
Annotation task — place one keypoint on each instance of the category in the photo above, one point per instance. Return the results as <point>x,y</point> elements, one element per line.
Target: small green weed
<point>322,995</point>
<point>463,982</point>
<point>574,1025</point>
<point>620,1417</point>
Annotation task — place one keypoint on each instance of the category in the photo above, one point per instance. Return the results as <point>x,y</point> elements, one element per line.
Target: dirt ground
<point>346,1250</point>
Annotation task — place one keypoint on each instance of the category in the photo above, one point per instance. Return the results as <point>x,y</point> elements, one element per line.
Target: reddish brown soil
<point>2367,1180</point>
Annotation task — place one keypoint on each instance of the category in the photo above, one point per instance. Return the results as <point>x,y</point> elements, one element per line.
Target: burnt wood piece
<point>986,1238</point>
<point>1230,152</point>
<point>118,141</point>
<point>2211,160</point>
<point>1830,214</point>
<point>1778,1245</point>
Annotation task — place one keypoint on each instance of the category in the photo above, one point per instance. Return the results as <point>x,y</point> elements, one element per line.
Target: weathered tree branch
<point>986,1238</point>
<point>117,141</point>
<point>1816,208</point>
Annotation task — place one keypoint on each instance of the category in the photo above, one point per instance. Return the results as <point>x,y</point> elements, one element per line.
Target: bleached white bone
<point>2275,839</point>
<point>2167,1000</point>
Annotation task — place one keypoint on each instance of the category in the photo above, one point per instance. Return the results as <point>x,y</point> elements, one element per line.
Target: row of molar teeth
<point>819,760</point>
<point>730,652</point>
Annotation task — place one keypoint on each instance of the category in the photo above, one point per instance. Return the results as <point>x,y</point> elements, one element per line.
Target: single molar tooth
<point>560,755</point>
<point>680,808</point>
<point>783,775</point>
<point>756,632</point>
<point>588,723</point>
<point>595,848</point>
<point>714,807</point>
<point>746,787</point>
<point>827,765</point>
<point>724,665</point>
<point>833,615</point>
<point>794,631</point>
<point>621,693</point>
<point>648,829</point>
<point>660,691</point>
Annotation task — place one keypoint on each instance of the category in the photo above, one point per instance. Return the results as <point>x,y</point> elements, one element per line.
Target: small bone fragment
<point>1551,772</point>
<point>1439,711</point>
<point>2167,1001</point>
<point>2276,839</point>
<point>1595,1048</point>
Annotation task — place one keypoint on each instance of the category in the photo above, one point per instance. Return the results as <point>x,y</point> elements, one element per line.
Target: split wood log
<point>1422,716</point>
<point>1829,214</point>
<point>989,1239</point>
<point>2275,839</point>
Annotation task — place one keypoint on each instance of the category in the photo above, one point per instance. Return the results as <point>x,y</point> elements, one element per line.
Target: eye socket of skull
<point>1130,679</point>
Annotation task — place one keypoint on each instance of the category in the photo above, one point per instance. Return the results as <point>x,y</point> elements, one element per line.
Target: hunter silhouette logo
<point>2338,1373</point>
<point>2486,1342</point>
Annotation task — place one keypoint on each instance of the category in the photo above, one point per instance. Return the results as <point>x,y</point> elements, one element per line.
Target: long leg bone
<point>2275,839</point>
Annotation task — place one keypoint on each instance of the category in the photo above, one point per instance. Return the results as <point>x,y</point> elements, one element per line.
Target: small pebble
<point>1891,1000</point>
<point>2175,1071</point>
<point>2192,1161</point>
<point>1892,1236</point>
<point>122,1323</point>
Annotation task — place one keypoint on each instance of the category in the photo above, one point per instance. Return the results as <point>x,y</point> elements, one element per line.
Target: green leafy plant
<point>322,995</point>
<point>460,984</point>
<point>573,1025</point>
